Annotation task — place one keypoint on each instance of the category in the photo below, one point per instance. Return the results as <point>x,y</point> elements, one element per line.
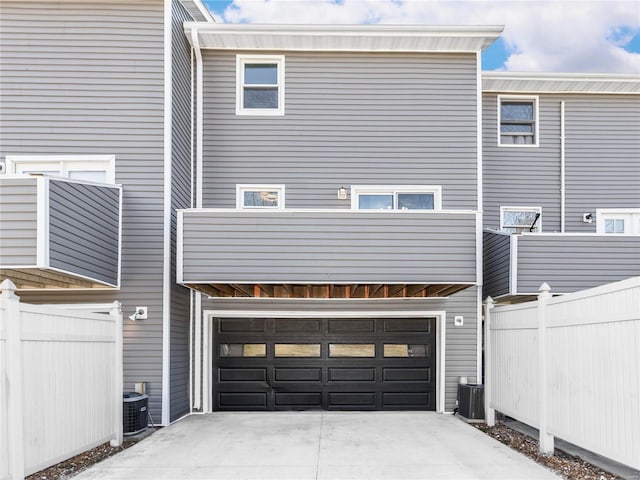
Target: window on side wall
<point>520,219</point>
<point>518,121</point>
<point>260,196</point>
<point>260,85</point>
<point>413,197</point>
<point>624,221</point>
<point>89,168</point>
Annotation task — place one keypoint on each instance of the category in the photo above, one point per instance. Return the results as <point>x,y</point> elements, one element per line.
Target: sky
<point>591,36</point>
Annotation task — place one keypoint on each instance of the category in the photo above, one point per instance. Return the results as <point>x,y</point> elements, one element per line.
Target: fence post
<point>116,313</point>
<point>489,413</point>
<point>545,444</point>
<point>15,420</point>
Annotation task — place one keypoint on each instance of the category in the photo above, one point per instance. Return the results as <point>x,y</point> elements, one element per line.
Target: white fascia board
<point>513,265</point>
<point>593,83</point>
<point>314,282</point>
<point>179,247</point>
<point>343,38</point>
<point>244,211</point>
<point>42,221</point>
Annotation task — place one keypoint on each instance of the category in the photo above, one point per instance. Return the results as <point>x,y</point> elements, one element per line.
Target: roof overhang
<point>197,10</point>
<point>339,38</point>
<point>526,82</point>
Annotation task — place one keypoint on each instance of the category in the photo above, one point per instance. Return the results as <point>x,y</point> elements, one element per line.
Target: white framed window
<point>259,84</point>
<point>518,121</point>
<point>90,168</point>
<point>623,221</point>
<point>260,196</point>
<point>403,197</point>
<point>520,219</point>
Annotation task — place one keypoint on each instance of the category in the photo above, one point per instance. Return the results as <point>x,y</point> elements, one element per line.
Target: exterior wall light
<point>140,314</point>
<point>342,193</point>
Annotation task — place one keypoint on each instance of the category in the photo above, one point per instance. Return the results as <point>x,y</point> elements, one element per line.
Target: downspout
<point>479,219</point>
<point>562,169</point>
<point>197,378</point>
<point>166,270</point>
<point>191,205</point>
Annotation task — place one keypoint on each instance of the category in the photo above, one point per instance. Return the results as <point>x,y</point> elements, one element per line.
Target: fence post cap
<point>544,288</point>
<point>116,307</point>
<point>8,289</point>
<point>489,302</point>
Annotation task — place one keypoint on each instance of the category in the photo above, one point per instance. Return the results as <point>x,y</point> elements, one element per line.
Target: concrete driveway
<point>318,445</point>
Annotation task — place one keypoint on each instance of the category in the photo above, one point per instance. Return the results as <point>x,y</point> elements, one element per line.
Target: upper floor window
<point>520,219</point>
<point>89,168</point>
<point>260,85</point>
<point>409,197</point>
<point>625,221</point>
<point>518,121</point>
<point>259,196</point>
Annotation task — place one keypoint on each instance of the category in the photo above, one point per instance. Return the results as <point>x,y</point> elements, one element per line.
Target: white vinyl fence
<point>570,366</point>
<point>60,383</point>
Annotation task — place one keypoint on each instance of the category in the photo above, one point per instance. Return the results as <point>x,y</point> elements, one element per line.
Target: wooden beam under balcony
<point>40,279</point>
<point>316,291</point>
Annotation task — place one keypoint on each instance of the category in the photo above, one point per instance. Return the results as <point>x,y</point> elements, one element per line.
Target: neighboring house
<point>300,208</point>
<point>337,230</point>
<point>99,92</point>
<point>568,153</point>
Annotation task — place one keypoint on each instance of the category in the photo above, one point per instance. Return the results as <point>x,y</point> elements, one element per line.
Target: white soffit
<point>347,38</point>
<point>197,10</point>
<point>525,82</point>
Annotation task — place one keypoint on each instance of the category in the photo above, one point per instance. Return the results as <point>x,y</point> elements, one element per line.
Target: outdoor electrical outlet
<point>141,313</point>
<point>458,320</point>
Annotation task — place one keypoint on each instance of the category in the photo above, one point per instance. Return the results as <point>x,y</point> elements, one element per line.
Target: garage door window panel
<point>352,350</point>
<point>297,350</point>
<point>243,350</point>
<point>405,350</point>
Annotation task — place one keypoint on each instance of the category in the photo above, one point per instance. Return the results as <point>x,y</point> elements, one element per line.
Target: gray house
<point>561,158</point>
<point>336,237</point>
<point>299,209</point>
<point>97,94</point>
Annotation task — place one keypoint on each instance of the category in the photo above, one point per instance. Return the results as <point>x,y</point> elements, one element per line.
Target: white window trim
<point>241,60</point>
<point>518,208</point>
<point>356,190</point>
<point>107,161</point>
<point>536,120</point>
<point>603,214</point>
<point>241,188</point>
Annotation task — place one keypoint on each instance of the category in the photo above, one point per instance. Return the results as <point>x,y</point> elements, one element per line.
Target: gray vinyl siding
<point>574,262</point>
<point>522,176</point>
<point>351,119</point>
<point>328,247</point>
<point>84,230</point>
<point>496,264</point>
<point>87,78</point>
<point>602,163</point>
<point>602,156</point>
<point>18,222</point>
<point>180,198</point>
<point>461,342</point>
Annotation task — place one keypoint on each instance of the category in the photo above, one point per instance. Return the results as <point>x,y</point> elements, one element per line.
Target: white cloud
<point>539,35</point>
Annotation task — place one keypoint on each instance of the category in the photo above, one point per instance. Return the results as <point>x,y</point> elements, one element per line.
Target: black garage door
<point>324,363</point>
